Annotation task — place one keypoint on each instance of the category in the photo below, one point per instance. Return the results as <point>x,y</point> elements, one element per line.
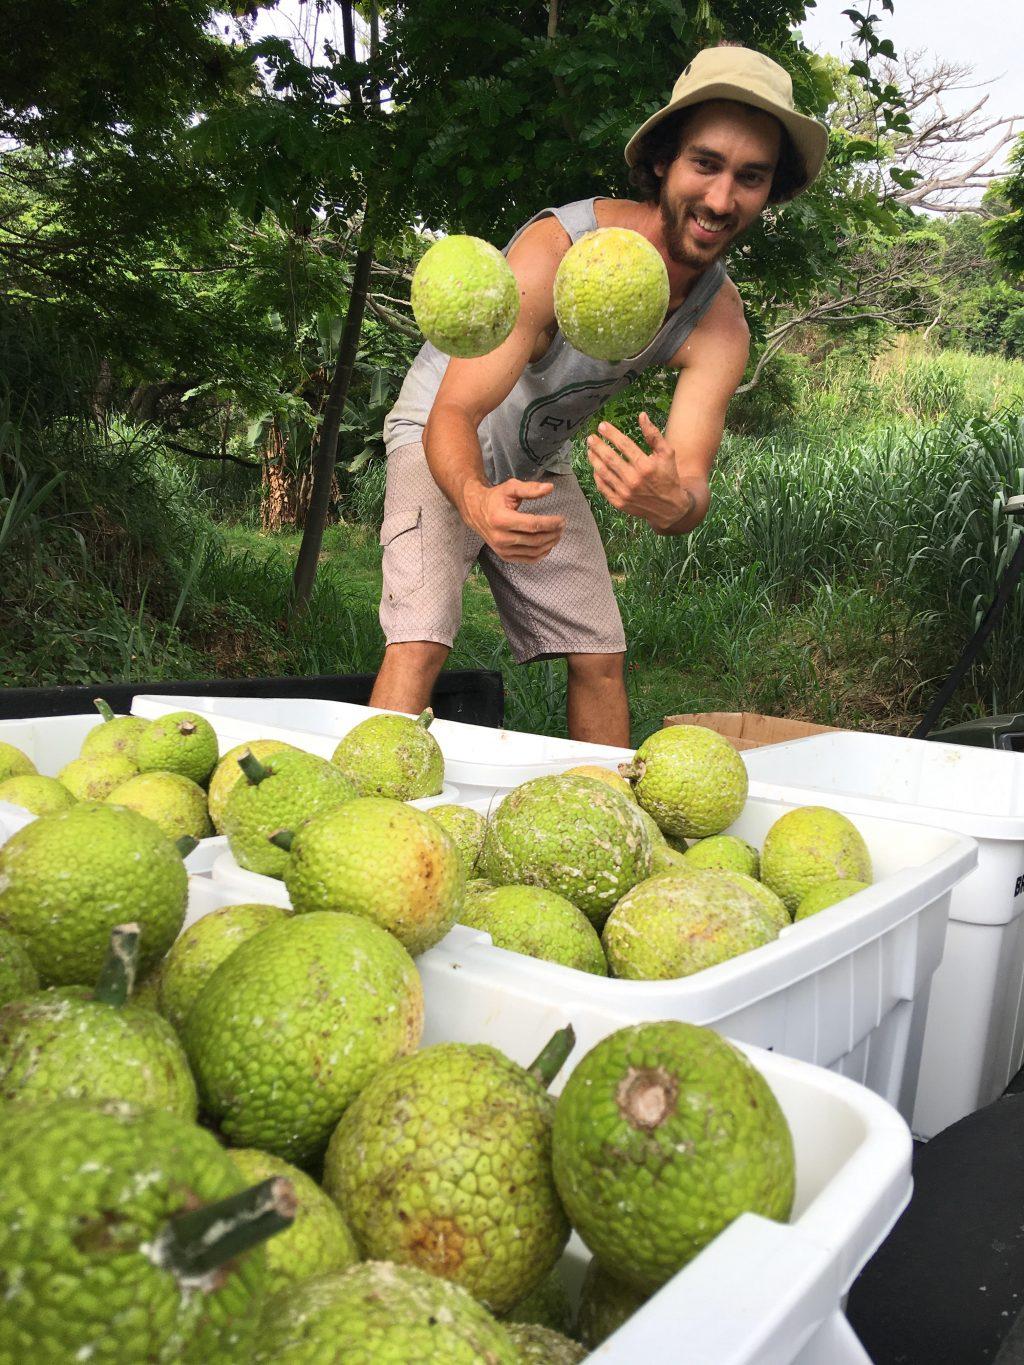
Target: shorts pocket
<point>401,536</point>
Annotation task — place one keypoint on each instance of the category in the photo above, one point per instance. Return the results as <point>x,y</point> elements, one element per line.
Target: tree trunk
<point>327,446</point>
<point>278,500</point>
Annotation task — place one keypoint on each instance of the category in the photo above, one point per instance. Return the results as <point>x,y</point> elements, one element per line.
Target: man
<point>478,452</point>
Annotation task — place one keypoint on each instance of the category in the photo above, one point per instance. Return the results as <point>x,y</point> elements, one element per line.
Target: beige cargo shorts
<point>564,604</point>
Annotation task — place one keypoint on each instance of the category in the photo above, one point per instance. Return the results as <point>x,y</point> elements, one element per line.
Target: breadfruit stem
<point>186,727</point>
<point>117,975</point>
<point>551,1058</point>
<point>186,844</point>
<point>633,772</point>
<point>193,1244</point>
<point>424,718</point>
<point>282,838</point>
<point>254,770</point>
<point>104,710</point>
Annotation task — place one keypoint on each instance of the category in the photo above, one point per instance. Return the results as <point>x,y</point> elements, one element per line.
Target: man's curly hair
<point>662,143</point>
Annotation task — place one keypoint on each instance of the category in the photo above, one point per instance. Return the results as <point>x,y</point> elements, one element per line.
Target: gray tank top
<point>531,431</point>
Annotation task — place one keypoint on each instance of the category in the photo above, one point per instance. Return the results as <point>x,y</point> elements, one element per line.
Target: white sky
<point>986,34</point>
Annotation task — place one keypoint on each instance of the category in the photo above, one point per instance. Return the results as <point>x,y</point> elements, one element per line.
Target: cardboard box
<point>748,730</point>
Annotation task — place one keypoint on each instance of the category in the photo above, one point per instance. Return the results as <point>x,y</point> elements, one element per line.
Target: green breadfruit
<point>180,742</point>
<point>124,1237</point>
<point>465,298</point>
<point>95,777</point>
<point>176,804</point>
<point>571,835</point>
<point>444,1162</point>
<point>282,792</point>
<point>466,828</point>
<point>392,756</point>
<point>823,895</point>
<point>809,845</point>
<point>117,734</point>
<point>13,762</point>
<point>380,1314</point>
<point>67,879</point>
<point>17,975</point>
<point>228,772</point>
<point>541,1346</point>
<point>295,1023</point>
<point>381,859</point>
<point>724,851</point>
<point>539,923</point>
<point>663,1135</point>
<point>78,1044</point>
<point>611,293</point>
<point>204,945</point>
<point>690,779</point>
<point>40,795</point>
<point>318,1241</point>
<point>679,923</point>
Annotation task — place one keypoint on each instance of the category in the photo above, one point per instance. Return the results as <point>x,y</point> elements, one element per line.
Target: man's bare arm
<point>471,389</point>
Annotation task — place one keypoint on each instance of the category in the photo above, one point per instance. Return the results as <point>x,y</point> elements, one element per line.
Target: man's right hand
<point>517,537</point>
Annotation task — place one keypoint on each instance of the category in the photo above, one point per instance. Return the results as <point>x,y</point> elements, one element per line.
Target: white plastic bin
<point>478,759</point>
<point>846,989</point>
<point>762,1293</point>
<point>974,1037</point>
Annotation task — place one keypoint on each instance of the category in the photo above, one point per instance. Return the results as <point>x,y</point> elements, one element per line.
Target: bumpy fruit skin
<point>94,778</point>
<point>548,1305</point>
<point>17,975</point>
<point>541,1346</point>
<point>40,795</point>
<point>318,1241</point>
<point>67,879</point>
<point>808,845</point>
<point>196,955</point>
<point>380,1314</point>
<point>663,1135</point>
<point>295,1023</point>
<point>227,773</point>
<point>181,742</point>
<point>465,298</point>
<point>770,902</point>
<point>62,1044</point>
<point>724,851</point>
<point>444,1162</point>
<point>466,828</point>
<point>118,736</point>
<point>86,1189</point>
<point>605,1304</point>
<point>297,788</point>
<point>542,924</point>
<point>571,835</point>
<point>13,762</point>
<point>679,923</point>
<point>176,804</point>
<point>391,756</point>
<point>823,895</point>
<point>690,779</point>
<point>611,293</point>
<point>383,860</point>
<point>599,774</point>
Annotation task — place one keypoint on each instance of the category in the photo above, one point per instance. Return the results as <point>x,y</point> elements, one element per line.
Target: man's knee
<point>596,668</point>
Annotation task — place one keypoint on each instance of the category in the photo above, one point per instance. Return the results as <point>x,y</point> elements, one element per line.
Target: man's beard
<point>673,222</point>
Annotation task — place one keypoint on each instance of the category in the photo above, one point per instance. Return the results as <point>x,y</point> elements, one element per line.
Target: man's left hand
<point>642,483</point>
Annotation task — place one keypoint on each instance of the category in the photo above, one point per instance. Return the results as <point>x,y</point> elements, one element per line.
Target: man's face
<point>719,181</point>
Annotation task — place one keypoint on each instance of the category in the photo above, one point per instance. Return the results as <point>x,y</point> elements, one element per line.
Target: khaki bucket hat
<point>749,77</point>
